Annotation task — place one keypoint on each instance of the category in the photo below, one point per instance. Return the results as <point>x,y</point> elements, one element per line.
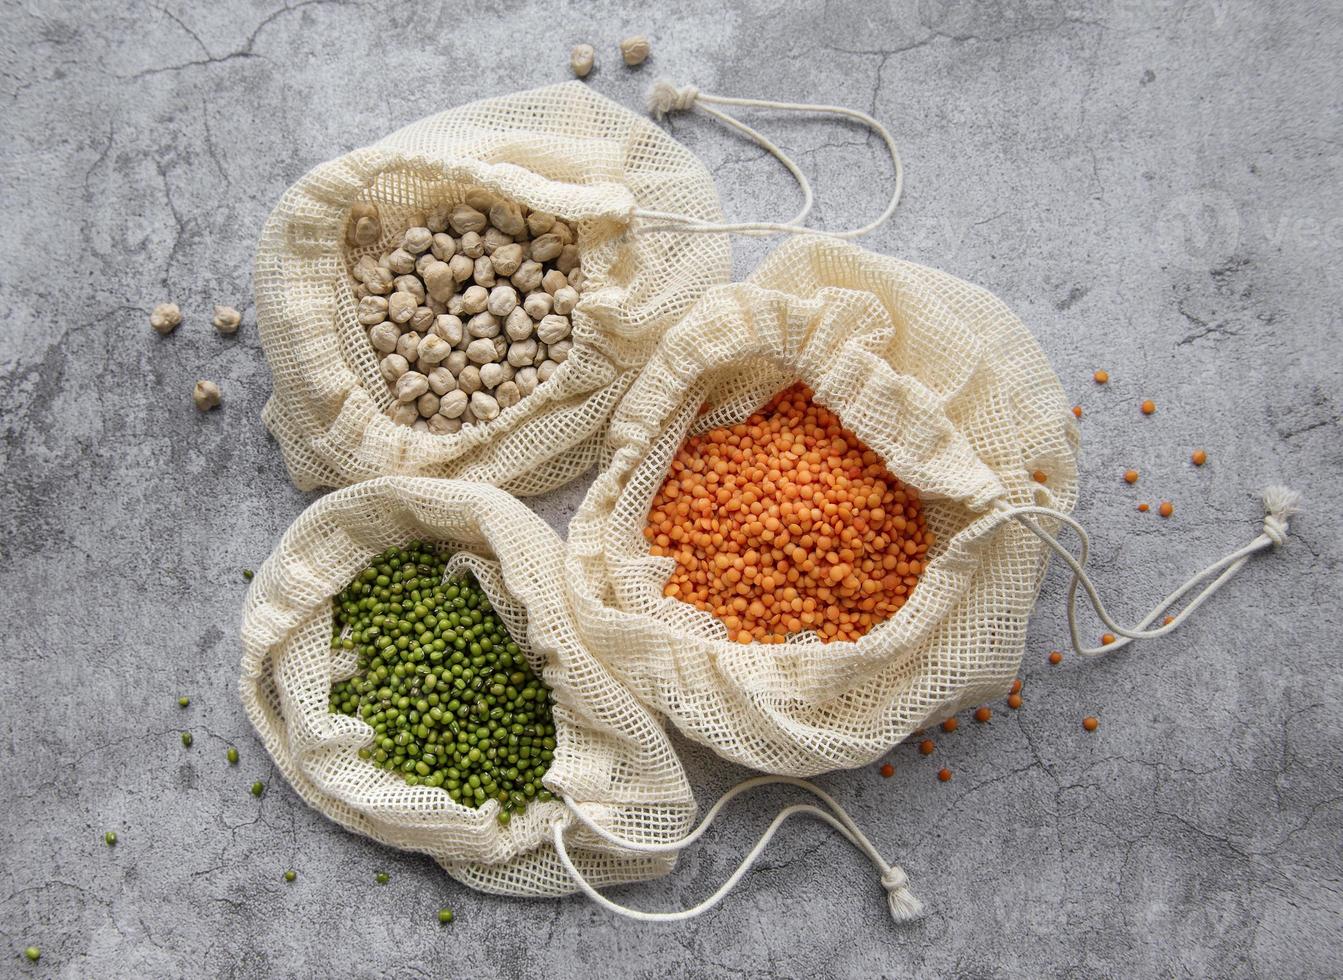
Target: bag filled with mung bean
<point>966,430</point>
<point>611,761</point>
<point>462,299</point>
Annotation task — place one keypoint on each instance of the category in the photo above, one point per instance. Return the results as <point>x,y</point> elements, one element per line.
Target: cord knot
<point>665,97</point>
<point>903,905</point>
<point>1280,504</point>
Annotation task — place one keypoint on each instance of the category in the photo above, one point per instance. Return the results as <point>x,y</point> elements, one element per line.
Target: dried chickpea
<point>635,50</point>
<point>165,318</point>
<point>226,320</point>
<point>581,58</point>
<point>206,395</point>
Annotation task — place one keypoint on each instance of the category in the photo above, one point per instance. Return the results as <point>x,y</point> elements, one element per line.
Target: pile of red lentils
<point>786,523</point>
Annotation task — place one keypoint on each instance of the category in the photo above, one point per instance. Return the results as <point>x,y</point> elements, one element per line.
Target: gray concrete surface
<point>1152,184</point>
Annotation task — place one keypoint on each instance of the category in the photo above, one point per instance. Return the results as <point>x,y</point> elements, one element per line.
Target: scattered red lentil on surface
<point>1014,701</point>
<point>926,747</point>
<point>1016,686</point>
<point>1107,639</point>
<point>1055,657</point>
<point>944,775</point>
<point>983,714</point>
<point>950,725</point>
<point>1077,411</point>
<point>1040,476</point>
<point>785,523</point>
<point>1198,457</point>
<point>1166,508</point>
<point>1168,620</point>
<point>1091,723</point>
<point>1101,377</point>
<point>1148,407</point>
<point>1130,476</point>
<point>1143,508</point>
<point>888,770</point>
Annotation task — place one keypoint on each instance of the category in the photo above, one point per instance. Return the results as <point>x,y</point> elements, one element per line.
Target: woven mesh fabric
<point>611,755</point>
<point>562,149</point>
<point>935,375</point>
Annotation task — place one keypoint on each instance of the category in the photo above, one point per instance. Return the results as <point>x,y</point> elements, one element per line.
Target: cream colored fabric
<point>562,149</point>
<point>935,375</point>
<point>612,757</point>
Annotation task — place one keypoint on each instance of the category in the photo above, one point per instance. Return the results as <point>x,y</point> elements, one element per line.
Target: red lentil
<point>1040,476</point>
<point>1101,377</point>
<point>1199,457</point>
<point>888,770</point>
<point>1014,701</point>
<point>785,523</point>
<point>1077,411</point>
<point>950,725</point>
<point>944,775</point>
<point>1091,723</point>
<point>983,714</point>
<point>1130,476</point>
<point>1055,657</point>
<point>1016,686</point>
<point>926,747</point>
<point>1143,508</point>
<point>1107,639</point>
<point>1166,508</point>
<point>1148,407</point>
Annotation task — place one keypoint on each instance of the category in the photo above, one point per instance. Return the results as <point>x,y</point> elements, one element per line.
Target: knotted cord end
<point>1280,504</point>
<point>903,905</point>
<point>665,97</point>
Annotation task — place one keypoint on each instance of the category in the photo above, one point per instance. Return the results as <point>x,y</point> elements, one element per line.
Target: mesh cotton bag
<point>561,149</point>
<point>613,763</point>
<point>949,388</point>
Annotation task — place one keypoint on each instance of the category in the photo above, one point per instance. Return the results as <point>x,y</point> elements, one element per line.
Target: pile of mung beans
<point>471,311</point>
<point>450,696</point>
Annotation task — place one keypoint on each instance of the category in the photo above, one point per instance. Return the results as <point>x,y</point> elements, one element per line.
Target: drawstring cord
<point>903,906</point>
<point>664,97</point>
<point>1280,504</point>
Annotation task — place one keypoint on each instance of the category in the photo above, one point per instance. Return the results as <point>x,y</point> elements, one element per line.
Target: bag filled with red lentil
<point>801,580</point>
<point>611,775</point>
<point>462,299</point>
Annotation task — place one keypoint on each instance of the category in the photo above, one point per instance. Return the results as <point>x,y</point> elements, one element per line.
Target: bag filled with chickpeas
<point>462,299</point>
<point>412,666</point>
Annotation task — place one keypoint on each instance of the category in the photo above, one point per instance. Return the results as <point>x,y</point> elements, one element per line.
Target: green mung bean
<point>382,877</point>
<point>257,788</point>
<point>450,696</point>
<point>232,756</point>
<point>33,953</point>
<point>186,740</point>
<point>290,875</point>
<point>444,916</point>
<point>110,838</point>
<point>183,701</point>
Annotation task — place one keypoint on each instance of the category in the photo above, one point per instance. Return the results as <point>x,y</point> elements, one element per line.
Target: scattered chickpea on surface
<point>165,318</point>
<point>581,59</point>
<point>205,395</point>
<point>226,320</point>
<point>635,50</point>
